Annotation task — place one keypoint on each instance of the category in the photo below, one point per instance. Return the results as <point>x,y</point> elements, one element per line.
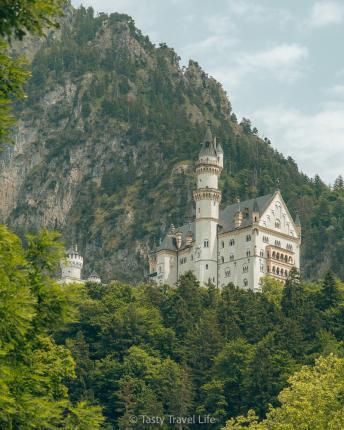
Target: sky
<point>280,62</point>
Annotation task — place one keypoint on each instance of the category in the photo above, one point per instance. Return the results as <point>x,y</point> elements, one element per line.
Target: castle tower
<point>207,197</point>
<point>71,266</point>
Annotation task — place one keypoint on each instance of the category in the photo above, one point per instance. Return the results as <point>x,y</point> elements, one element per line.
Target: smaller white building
<point>71,268</point>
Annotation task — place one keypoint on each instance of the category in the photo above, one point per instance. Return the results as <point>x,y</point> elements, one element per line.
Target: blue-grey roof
<point>226,220</point>
<point>208,145</point>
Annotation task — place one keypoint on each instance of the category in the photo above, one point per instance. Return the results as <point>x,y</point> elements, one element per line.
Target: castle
<point>241,243</point>
<point>71,268</point>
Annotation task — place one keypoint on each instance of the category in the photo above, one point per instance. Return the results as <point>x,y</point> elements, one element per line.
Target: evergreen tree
<point>329,294</point>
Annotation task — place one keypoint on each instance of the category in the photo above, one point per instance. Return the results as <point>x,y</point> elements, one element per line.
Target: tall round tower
<point>71,266</point>
<point>207,197</point>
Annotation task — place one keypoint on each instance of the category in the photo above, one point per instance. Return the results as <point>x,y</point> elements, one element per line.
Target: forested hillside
<point>105,356</point>
<point>106,143</point>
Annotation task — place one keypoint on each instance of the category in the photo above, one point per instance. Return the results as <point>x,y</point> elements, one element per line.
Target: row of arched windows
<point>281,257</point>
<point>278,271</point>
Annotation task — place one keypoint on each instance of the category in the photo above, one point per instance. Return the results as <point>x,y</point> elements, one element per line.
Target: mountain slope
<point>106,143</point>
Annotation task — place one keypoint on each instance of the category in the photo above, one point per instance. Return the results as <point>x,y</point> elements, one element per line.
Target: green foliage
<point>13,75</point>
<point>17,18</point>
<point>314,400</point>
<point>33,367</point>
<point>90,358</point>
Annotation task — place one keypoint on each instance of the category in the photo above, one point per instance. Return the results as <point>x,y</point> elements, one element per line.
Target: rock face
<point>106,141</point>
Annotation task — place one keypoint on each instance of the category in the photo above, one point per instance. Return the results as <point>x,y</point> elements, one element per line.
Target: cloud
<point>252,12</point>
<point>283,62</point>
<point>336,91</point>
<point>314,140</point>
<point>326,12</point>
<point>277,58</point>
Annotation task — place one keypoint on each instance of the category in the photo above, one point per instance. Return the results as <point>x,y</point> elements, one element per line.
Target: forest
<point>93,356</point>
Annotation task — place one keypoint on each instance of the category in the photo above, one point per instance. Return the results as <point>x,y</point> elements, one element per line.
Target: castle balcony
<point>207,194</point>
<point>281,256</point>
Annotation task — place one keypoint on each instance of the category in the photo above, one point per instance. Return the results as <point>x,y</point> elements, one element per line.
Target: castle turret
<point>71,266</point>
<point>207,197</point>
<point>298,225</point>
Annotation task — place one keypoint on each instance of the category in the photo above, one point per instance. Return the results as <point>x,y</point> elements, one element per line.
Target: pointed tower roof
<point>208,147</point>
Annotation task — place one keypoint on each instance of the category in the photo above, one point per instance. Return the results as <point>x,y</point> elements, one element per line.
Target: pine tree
<point>329,294</point>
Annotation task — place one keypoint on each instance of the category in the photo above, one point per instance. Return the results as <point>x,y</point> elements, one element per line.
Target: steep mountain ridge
<point>106,142</point>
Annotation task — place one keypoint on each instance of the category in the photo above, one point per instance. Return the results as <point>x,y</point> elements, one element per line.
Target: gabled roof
<point>247,207</point>
<point>169,243</point>
<point>226,220</point>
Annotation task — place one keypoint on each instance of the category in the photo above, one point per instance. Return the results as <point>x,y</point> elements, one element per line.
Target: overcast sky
<point>281,63</point>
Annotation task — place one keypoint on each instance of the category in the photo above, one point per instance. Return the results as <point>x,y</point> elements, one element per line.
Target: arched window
<point>222,244</point>
<point>261,253</point>
<point>245,282</point>
<point>222,259</point>
<point>278,223</point>
<point>206,267</point>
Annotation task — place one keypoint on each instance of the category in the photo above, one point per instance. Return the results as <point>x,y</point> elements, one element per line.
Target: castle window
<point>248,253</point>
<point>206,267</point>
<point>223,244</point>
<point>206,243</point>
<point>231,257</point>
<point>248,238</point>
<point>278,223</point>
<point>245,282</point>
<point>262,268</point>
<point>222,259</point>
<point>227,273</point>
<point>231,242</point>
<point>265,239</point>
<point>245,268</point>
<point>277,243</point>
<point>261,253</point>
